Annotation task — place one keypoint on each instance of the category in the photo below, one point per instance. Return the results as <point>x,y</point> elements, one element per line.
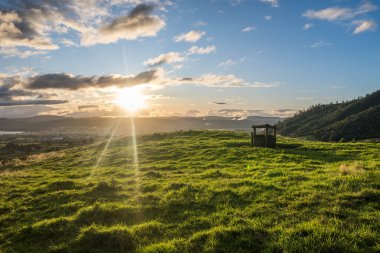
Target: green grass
<point>195,191</point>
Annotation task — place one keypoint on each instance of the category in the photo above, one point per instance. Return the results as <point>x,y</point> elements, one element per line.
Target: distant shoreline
<point>11,132</point>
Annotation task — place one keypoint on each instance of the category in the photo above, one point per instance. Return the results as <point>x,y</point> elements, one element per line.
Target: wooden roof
<point>264,126</point>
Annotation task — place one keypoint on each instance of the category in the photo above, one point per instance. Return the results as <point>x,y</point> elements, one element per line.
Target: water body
<point>10,132</point>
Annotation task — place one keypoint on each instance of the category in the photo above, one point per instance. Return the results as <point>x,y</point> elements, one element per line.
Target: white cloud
<point>320,43</point>
<point>169,58</point>
<point>274,3</point>
<point>191,36</point>
<point>227,63</point>
<point>15,31</point>
<point>31,24</point>
<point>364,25</point>
<point>138,23</point>
<point>339,13</point>
<point>200,23</point>
<point>68,43</point>
<point>268,18</point>
<point>217,80</point>
<point>248,29</point>
<point>15,52</point>
<point>236,2</point>
<point>202,50</point>
<point>307,26</point>
<point>242,114</point>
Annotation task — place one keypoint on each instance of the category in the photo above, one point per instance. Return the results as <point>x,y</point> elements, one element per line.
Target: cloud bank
<point>71,82</point>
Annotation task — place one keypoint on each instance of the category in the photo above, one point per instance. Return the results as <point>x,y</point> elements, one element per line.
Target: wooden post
<point>274,132</point>
<point>266,136</point>
<point>254,136</point>
<point>251,139</point>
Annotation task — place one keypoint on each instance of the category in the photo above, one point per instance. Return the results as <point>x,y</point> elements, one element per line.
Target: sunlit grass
<point>195,192</point>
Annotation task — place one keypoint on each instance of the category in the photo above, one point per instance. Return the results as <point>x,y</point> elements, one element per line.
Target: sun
<point>131,99</point>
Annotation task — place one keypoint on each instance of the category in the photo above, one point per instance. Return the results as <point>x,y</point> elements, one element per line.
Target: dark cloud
<point>71,82</point>
<point>6,92</point>
<point>24,111</point>
<point>140,22</point>
<point>25,23</point>
<point>285,110</point>
<point>83,107</point>
<point>138,16</point>
<point>239,110</point>
<point>218,103</point>
<point>31,23</point>
<point>170,58</point>
<point>31,102</point>
<point>192,113</point>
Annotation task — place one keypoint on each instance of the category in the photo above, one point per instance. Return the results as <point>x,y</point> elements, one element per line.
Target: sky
<point>234,58</point>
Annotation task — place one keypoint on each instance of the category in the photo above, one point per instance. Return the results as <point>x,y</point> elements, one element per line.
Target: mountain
<point>357,119</point>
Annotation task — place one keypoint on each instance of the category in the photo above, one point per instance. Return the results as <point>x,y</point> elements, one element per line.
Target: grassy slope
<point>357,119</point>
<point>193,192</point>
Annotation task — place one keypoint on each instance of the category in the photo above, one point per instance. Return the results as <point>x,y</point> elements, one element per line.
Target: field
<point>194,191</point>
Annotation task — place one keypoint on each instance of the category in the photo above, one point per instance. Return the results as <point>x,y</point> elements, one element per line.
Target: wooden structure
<point>266,139</point>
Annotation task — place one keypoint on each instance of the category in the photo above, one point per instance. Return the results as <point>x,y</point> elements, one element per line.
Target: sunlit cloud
<point>242,114</point>
<point>15,52</point>
<point>215,80</point>
<point>191,36</point>
<point>168,58</point>
<point>340,13</point>
<point>68,42</point>
<point>364,25</point>
<point>227,63</point>
<point>32,24</point>
<point>344,15</point>
<point>202,50</point>
<point>19,30</point>
<point>138,23</point>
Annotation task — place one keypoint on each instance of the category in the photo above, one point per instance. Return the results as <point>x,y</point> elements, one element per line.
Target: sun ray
<point>113,132</point>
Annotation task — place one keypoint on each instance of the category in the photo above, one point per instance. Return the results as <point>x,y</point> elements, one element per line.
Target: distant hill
<point>357,119</point>
<point>102,125</point>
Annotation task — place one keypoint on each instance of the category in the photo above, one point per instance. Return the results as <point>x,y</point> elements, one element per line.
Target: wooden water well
<point>263,140</point>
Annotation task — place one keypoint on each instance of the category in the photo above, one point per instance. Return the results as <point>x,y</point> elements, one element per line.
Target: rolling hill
<point>357,119</point>
<point>194,191</point>
<point>144,125</point>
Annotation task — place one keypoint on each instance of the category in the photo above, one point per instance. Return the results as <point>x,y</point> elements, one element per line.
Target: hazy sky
<point>195,58</point>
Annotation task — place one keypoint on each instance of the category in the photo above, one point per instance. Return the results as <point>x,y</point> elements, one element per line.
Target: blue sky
<point>207,57</point>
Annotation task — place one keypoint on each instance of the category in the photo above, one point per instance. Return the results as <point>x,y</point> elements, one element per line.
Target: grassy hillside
<point>204,191</point>
<point>357,119</point>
